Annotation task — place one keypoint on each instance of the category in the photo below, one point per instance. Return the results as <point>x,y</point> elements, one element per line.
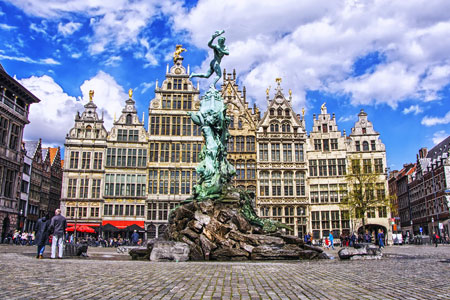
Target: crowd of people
<point>347,240</point>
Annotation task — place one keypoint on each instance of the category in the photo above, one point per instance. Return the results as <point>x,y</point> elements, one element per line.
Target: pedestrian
<point>380,239</point>
<point>42,229</point>
<point>331,239</point>
<point>135,238</point>
<point>435,238</point>
<point>58,228</point>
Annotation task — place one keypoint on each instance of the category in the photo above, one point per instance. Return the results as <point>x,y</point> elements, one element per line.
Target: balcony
<point>13,105</point>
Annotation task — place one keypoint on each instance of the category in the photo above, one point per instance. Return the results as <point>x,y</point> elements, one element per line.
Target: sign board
<point>441,226</point>
<point>420,229</point>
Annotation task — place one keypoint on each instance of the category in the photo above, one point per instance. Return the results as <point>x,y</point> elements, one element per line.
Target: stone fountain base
<point>218,231</point>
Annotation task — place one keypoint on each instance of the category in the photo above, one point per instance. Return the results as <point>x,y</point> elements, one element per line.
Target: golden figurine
<point>130,93</point>
<point>177,53</point>
<point>290,93</point>
<point>303,112</point>
<point>229,90</point>
<point>267,91</point>
<point>322,108</point>
<point>91,95</point>
<point>278,80</point>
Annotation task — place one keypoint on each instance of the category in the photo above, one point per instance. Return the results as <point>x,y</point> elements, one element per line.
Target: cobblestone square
<point>406,272</point>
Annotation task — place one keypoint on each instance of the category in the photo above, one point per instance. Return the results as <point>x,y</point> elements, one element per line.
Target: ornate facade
<point>327,167</point>
<point>242,140</point>
<point>84,170</point>
<point>281,163</point>
<point>174,145</point>
<point>15,102</point>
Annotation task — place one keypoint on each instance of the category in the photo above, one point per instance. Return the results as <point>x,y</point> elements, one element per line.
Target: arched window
<point>280,112</point>
<point>272,112</point>
<point>274,127</point>
<point>286,127</point>
<point>151,231</point>
<point>169,86</point>
<point>240,123</point>
<point>88,132</point>
<point>286,112</point>
<point>365,146</point>
<point>231,121</point>
<point>129,120</point>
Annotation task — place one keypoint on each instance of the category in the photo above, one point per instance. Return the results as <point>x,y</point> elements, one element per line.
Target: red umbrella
<point>82,228</point>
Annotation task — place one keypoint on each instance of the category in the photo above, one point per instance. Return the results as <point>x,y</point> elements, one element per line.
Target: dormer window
<point>272,112</point>
<point>286,112</point>
<point>129,119</point>
<point>364,130</point>
<point>169,86</point>
<point>280,112</point>
<point>324,128</point>
<point>365,146</point>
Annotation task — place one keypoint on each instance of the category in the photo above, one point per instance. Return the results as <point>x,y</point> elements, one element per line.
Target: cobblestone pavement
<point>406,272</point>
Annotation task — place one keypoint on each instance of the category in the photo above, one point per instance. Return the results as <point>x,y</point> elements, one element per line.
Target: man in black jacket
<point>42,232</point>
<point>58,228</point>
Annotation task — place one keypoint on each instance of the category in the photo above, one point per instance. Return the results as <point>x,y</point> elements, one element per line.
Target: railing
<point>11,104</point>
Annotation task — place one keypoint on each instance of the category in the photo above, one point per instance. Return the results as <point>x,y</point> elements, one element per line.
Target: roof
<point>438,150</point>
<point>44,153</point>
<point>53,152</point>
<point>62,163</point>
<point>31,147</point>
<point>1,68</point>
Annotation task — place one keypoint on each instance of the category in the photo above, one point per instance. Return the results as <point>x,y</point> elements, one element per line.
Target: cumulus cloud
<point>69,28</point>
<point>52,118</point>
<point>431,121</point>
<point>439,136</point>
<point>313,45</point>
<point>415,109</point>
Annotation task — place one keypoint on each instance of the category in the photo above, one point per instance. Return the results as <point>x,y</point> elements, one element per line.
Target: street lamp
<point>432,221</point>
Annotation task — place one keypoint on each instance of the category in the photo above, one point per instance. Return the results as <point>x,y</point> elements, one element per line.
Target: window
<point>326,145</point>
<point>286,127</point>
<point>94,212</point>
<point>313,167</point>
<point>332,171</point>
<point>232,122</point>
<point>142,158</point>
<point>322,167</point>
<point>129,119</point>
<point>187,101</point>
<point>264,183</point>
<point>334,144</point>
<point>108,209</point>
<point>250,144</point>
<point>300,183</point>
<point>231,143</point>
<point>165,125</point>
<point>345,219</point>
<point>356,167</point>
<point>299,157</point>
<point>272,112</point>
<point>118,209</point>
<point>364,131</point>
<point>4,125</point>
<point>315,218</point>
<point>152,211</point>
<point>240,144</point>
<point>275,152</point>
<point>196,130</point>
<point>276,184</point>
<point>240,170</point>
<point>86,161</point>
<point>163,182</point>
<point>280,112</point>
<point>196,148</point>
<point>357,145</point>
<point>129,210</point>
<point>152,181</point>
<point>186,152</point>
<point>95,193</point>
<point>175,157</point>
<point>74,156</point>
<point>382,212</point>
<point>263,152</point>
<point>154,125</point>
<point>288,184</point>
<point>84,186</point>
<point>185,182</point>
<point>154,149</point>
<point>140,210</point>
<point>378,165</point>
<point>121,135</point>
<point>325,219</point>
<point>14,138</point>
<point>367,166</point>
<point>177,84</point>
<point>372,145</point>
<point>317,144</point>
<point>287,152</point>
<point>165,151</point>
<point>334,193</point>
<point>176,124</point>
<point>273,127</point>
<point>341,167</point>
<point>365,146</point>
<point>251,170</point>
<point>335,219</point>
<point>98,156</point>
<point>24,187</point>
<point>240,123</point>
<point>323,193</point>
<point>187,125</point>
<point>324,128</point>
<point>176,102</point>
<point>174,182</point>
<point>72,188</point>
<point>371,212</point>
<point>70,212</point>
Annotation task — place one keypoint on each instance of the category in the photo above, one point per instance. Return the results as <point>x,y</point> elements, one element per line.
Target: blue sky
<point>389,58</point>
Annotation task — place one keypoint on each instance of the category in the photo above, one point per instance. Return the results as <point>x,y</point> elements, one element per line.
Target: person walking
<point>58,228</point>
<point>435,238</point>
<point>380,239</point>
<point>135,238</point>
<point>42,232</point>
<point>331,239</point>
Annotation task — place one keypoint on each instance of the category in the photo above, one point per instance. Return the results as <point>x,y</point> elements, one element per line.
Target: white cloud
<point>145,86</point>
<point>351,118</point>
<point>439,136</point>
<point>76,55</point>
<point>431,121</point>
<point>7,27</point>
<point>113,60</point>
<point>52,118</point>
<point>42,28</point>
<point>68,28</point>
<point>42,61</point>
<point>415,109</point>
<point>109,96</point>
<point>313,45</point>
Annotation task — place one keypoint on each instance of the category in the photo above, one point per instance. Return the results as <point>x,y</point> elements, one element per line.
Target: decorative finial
<point>268,90</point>
<point>278,80</point>
<point>130,93</point>
<point>114,117</point>
<point>322,108</point>
<point>303,112</point>
<point>91,95</point>
<point>177,53</point>
<point>290,93</point>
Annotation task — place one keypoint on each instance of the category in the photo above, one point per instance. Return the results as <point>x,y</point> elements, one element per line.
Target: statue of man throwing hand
<point>219,51</point>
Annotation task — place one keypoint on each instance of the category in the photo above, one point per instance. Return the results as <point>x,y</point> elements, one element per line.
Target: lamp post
<point>432,222</point>
<point>76,219</point>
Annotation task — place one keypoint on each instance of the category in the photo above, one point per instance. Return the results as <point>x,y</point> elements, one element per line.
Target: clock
<point>279,99</point>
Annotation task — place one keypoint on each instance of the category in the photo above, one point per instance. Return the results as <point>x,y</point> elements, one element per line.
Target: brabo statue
<point>214,170</point>
<point>219,51</point>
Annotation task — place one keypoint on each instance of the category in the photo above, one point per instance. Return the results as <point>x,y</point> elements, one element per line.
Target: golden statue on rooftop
<point>177,54</point>
<point>130,93</point>
<point>278,80</point>
<point>91,95</point>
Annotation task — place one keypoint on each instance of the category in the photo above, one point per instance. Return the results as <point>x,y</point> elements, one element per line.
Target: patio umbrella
<point>110,228</point>
<point>134,227</point>
<point>81,228</point>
